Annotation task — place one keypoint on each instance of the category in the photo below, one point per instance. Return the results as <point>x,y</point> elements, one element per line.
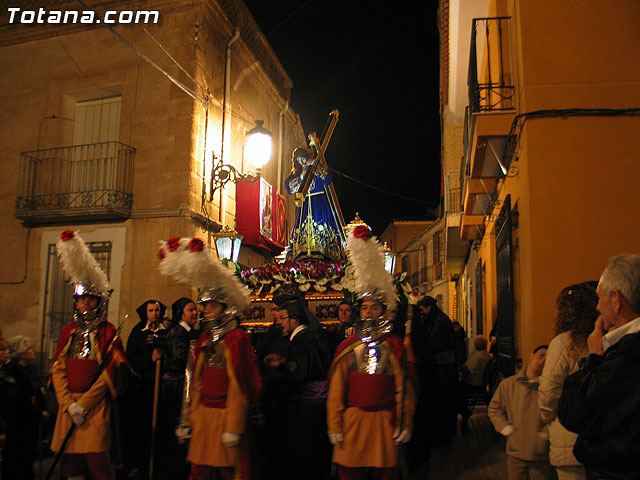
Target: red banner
<point>260,215</point>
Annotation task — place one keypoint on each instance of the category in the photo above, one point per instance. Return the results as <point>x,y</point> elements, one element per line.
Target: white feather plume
<point>200,269</point>
<point>78,262</point>
<point>367,258</point>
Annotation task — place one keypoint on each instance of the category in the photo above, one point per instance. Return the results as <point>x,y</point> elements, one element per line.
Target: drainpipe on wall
<point>281,158</point>
<point>226,94</point>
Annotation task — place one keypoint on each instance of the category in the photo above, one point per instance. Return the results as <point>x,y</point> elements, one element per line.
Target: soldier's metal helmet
<point>212,294</point>
<point>85,274</point>
<point>370,329</point>
<point>82,289</point>
<point>186,260</point>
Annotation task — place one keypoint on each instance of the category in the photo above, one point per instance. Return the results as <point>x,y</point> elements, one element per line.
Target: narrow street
<point>476,454</point>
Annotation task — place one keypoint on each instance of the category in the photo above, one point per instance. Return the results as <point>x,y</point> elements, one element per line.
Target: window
<point>97,121</point>
<point>438,255</point>
<point>94,162</point>
<point>422,260</point>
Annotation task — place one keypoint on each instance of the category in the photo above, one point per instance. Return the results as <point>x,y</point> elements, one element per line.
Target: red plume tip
<point>195,245</point>
<point>173,243</point>
<point>362,232</point>
<point>67,235</point>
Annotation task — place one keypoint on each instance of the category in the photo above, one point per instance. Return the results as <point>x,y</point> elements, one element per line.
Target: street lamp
<point>389,259</point>
<point>258,145</point>
<point>228,243</point>
<point>257,151</point>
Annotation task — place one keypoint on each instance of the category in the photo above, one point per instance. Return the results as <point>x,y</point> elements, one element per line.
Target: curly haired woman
<point>576,306</point>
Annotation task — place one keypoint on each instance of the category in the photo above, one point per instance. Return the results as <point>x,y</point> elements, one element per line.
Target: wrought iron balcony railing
<point>452,198</point>
<point>489,79</point>
<point>80,182</point>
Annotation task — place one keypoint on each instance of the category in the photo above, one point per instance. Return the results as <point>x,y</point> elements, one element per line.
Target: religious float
<point>314,264</point>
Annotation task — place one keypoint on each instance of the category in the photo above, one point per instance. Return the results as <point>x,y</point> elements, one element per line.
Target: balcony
<point>79,183</point>
<point>488,121</point>
<point>490,88</point>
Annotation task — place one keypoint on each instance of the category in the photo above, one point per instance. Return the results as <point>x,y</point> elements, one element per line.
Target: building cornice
<point>235,12</point>
<point>240,18</point>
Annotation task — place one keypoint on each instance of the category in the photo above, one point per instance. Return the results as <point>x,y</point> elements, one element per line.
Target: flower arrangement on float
<point>305,277</point>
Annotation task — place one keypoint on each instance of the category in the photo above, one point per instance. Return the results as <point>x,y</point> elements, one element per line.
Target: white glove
<point>401,437</point>
<point>230,440</point>
<point>78,414</point>
<point>183,432</point>
<point>336,439</point>
<point>506,430</point>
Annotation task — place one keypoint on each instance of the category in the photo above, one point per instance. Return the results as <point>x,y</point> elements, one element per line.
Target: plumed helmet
<point>372,281</point>
<point>85,274</point>
<point>186,260</point>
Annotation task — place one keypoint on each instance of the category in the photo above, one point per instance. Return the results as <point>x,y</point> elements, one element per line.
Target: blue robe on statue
<point>316,233</point>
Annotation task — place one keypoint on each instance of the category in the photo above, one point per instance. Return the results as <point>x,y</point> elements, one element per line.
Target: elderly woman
<point>574,321</point>
<point>24,408</point>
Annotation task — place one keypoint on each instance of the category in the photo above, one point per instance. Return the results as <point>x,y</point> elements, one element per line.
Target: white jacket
<point>562,361</point>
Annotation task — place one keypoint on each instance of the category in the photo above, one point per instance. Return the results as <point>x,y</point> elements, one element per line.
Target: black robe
<point>137,417</point>
<point>303,378</point>
<point>172,463</point>
<point>434,345</point>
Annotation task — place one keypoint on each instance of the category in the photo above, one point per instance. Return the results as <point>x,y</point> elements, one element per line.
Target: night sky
<point>380,69</point>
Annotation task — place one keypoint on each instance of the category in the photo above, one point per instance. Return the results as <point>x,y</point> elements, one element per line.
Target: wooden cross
<point>318,148</point>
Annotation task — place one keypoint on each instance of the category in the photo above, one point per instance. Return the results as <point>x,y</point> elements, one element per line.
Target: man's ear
<point>616,300</point>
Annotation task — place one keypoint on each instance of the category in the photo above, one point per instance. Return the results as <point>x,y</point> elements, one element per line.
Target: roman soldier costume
<point>225,380</point>
<point>89,368</point>
<point>370,404</point>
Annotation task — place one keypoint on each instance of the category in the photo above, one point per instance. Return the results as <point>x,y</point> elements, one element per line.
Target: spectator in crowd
<point>493,339</point>
<point>433,342</point>
<point>472,371</point>
<point>24,408</point>
<point>575,317</point>
<point>514,413</point>
<point>601,401</point>
<point>461,343</point>
<point>472,376</point>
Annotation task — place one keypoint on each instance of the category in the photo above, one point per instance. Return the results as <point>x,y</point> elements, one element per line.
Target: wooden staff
<point>154,417</point>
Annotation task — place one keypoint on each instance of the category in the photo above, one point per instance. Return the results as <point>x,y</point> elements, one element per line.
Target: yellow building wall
<point>573,178</point>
